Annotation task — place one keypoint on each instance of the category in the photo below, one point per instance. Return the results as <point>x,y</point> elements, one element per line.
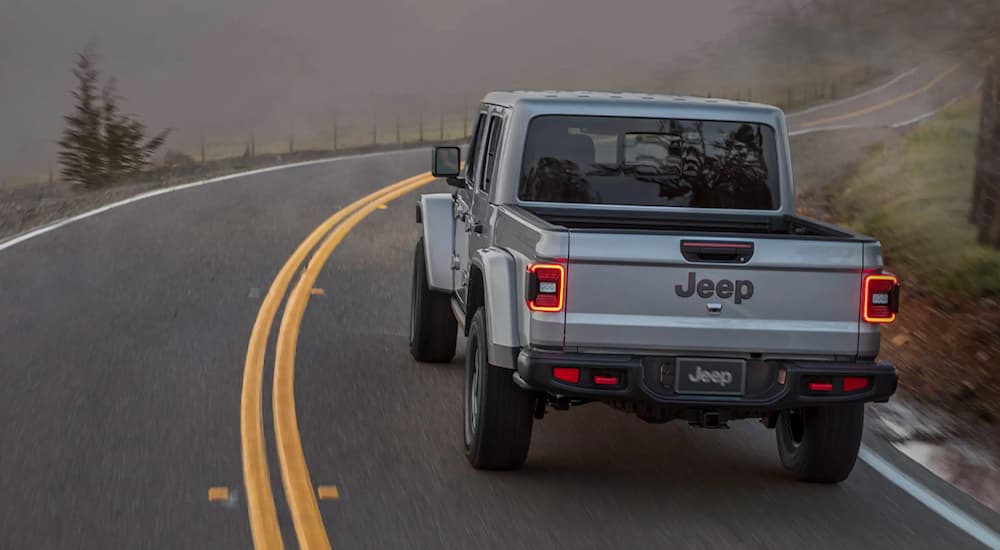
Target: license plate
<point>710,376</point>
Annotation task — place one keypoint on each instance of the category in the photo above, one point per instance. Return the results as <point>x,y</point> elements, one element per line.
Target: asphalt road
<point>122,345</point>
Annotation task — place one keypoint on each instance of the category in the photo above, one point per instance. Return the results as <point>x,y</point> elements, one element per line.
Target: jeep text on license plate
<point>710,376</point>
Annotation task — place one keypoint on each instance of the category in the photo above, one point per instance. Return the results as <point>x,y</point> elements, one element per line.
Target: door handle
<point>717,251</point>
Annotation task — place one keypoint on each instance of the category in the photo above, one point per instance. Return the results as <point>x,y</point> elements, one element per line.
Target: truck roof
<point>576,100</point>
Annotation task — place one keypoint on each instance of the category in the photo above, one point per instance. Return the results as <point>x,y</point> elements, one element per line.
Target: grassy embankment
<point>914,193</point>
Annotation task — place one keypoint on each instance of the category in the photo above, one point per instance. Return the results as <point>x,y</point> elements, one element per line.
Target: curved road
<point>123,338</point>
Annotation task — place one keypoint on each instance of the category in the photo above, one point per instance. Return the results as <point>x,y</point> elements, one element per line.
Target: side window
<point>492,148</point>
<point>477,139</point>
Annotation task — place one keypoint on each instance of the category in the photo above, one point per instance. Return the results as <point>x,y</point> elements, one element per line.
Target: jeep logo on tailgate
<point>725,289</point>
<point>720,377</point>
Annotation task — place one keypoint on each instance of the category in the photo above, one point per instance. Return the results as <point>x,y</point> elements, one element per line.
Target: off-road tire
<point>433,328</point>
<point>498,436</point>
<point>820,444</point>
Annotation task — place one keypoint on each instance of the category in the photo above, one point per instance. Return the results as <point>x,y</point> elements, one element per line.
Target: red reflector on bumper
<point>820,386</point>
<point>567,374</point>
<point>855,383</point>
<point>606,380</point>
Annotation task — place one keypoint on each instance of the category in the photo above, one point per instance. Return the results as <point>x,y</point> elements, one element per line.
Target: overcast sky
<point>229,66</point>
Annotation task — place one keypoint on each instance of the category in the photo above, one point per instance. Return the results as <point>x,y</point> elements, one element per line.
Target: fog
<point>228,67</point>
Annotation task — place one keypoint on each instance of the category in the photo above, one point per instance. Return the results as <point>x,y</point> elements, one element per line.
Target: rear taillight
<point>566,374</point>
<point>855,383</point>
<point>546,288</point>
<point>880,298</point>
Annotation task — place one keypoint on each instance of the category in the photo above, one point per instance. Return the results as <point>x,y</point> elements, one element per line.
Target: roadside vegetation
<point>915,193</point>
<point>100,143</point>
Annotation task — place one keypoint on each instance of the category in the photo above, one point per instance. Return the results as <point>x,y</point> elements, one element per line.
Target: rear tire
<point>820,444</point>
<point>498,413</point>
<point>433,328</point>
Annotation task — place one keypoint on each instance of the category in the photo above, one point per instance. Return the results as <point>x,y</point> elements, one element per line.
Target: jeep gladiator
<point>643,251</point>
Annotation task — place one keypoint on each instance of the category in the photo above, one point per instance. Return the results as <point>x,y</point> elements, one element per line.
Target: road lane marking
<point>933,112</point>
<point>935,503</point>
<point>865,93</point>
<point>32,233</point>
<point>884,104</point>
<point>261,510</point>
<point>218,494</point>
<point>328,492</point>
<point>804,131</point>
<point>317,292</point>
<point>308,522</point>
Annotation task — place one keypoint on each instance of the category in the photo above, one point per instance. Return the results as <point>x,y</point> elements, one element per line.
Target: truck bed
<point>731,225</point>
<point>704,285</point>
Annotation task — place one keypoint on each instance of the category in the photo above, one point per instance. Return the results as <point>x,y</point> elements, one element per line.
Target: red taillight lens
<point>566,374</point>
<point>606,380</point>
<point>820,386</point>
<point>855,383</point>
<point>547,287</point>
<point>880,298</point>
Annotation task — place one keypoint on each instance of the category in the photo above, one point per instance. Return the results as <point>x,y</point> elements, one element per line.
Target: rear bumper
<point>648,380</point>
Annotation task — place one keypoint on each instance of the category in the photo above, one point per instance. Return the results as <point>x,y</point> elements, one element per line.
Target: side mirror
<point>447,162</point>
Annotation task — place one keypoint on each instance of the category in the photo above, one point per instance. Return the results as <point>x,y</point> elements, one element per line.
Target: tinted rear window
<point>650,162</point>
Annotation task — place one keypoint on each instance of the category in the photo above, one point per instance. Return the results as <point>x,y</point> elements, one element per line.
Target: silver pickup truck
<point>643,251</point>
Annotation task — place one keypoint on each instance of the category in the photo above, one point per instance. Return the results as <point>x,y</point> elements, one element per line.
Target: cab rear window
<point>650,162</point>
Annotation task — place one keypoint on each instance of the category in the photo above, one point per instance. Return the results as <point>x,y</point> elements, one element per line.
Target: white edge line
<point>894,126</point>
<point>929,114</point>
<point>876,89</point>
<point>17,239</point>
<point>805,131</point>
<point>936,504</point>
<point>922,117</point>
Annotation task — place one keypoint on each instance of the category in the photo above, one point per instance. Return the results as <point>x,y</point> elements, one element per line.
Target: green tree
<point>100,143</point>
<point>81,154</point>
<point>125,148</point>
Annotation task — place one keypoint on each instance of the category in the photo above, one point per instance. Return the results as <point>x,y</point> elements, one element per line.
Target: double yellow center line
<point>887,103</point>
<point>298,487</point>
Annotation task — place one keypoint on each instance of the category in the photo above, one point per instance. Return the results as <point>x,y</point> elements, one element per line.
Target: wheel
<point>820,444</point>
<point>498,413</point>
<point>433,328</point>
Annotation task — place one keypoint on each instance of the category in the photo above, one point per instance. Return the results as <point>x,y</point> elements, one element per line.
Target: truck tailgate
<point>638,291</point>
